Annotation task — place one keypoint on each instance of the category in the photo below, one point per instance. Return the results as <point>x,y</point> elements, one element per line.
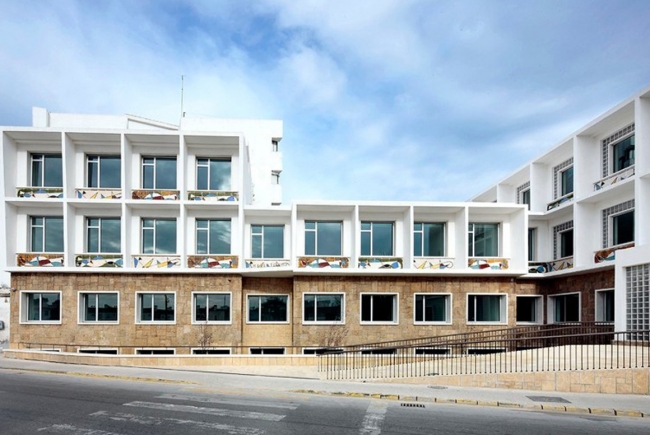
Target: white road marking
<point>374,417</point>
<point>228,402</point>
<point>155,421</point>
<point>73,430</point>
<point>209,411</point>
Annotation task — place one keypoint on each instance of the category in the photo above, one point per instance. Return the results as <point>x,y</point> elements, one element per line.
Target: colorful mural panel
<point>559,202</point>
<point>99,260</point>
<point>433,263</point>
<point>550,266</point>
<point>261,264</point>
<point>324,262</point>
<point>156,262</point>
<point>488,263</point>
<point>159,195</point>
<point>98,194</point>
<point>609,254</point>
<point>39,193</point>
<point>380,263</point>
<point>212,195</point>
<point>615,178</point>
<point>39,260</point>
<point>212,262</point>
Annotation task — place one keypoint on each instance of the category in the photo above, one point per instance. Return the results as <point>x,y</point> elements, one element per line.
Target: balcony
<point>94,193</point>
<point>558,202</point>
<point>424,263</point>
<point>212,195</point>
<point>381,263</point>
<point>33,259</point>
<point>99,260</point>
<point>550,266</point>
<point>609,254</point>
<point>212,262</point>
<point>614,178</point>
<point>256,263</point>
<point>152,261</point>
<point>155,194</point>
<point>488,263</point>
<point>324,262</point>
<point>40,192</point>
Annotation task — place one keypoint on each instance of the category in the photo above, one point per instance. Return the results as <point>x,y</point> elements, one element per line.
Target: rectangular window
<point>211,307</point>
<point>566,243</point>
<point>213,174</point>
<point>267,241</point>
<point>271,309</point>
<point>483,240</point>
<point>275,145</point>
<point>379,308</point>
<point>323,307</point>
<point>159,173</point>
<point>42,307</point>
<point>103,172</point>
<point>211,351</point>
<point>525,197</point>
<point>432,308</point>
<point>532,244</point>
<point>47,170</point>
<point>103,235</point>
<point>159,236</point>
<point>377,238</point>
<point>486,308</point>
<point>156,307</point>
<point>566,177</point>
<point>323,238</point>
<point>213,236</point>
<point>46,233</point>
<point>98,307</point>
<point>98,351</point>
<point>529,309</point>
<point>623,154</point>
<point>565,308</point>
<point>155,352</point>
<point>275,177</point>
<point>431,351</point>
<point>267,350</point>
<point>623,228</point>
<point>605,305</point>
<point>429,239</point>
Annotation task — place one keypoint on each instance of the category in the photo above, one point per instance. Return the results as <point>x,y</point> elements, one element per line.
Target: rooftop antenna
<point>182,113</point>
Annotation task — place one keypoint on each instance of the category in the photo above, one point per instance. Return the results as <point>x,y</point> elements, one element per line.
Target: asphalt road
<point>32,403</point>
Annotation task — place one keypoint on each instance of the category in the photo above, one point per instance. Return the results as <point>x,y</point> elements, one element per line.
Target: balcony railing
<point>212,262</point>
<point>212,195</point>
<point>97,193</point>
<point>155,194</point>
<point>33,259</point>
<point>324,262</point>
<point>381,263</point>
<point>256,263</point>
<point>150,261</point>
<point>614,178</point>
<point>609,254</point>
<point>40,192</point>
<point>488,263</point>
<point>99,260</point>
<point>433,263</point>
<point>558,202</point>
<point>550,266</point>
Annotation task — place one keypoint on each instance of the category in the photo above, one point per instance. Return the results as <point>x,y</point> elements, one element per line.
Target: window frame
<point>262,350</point>
<point>562,182</point>
<point>382,322</point>
<point>532,244</point>
<point>44,234</point>
<point>612,235</point>
<point>24,308</point>
<point>323,322</point>
<point>82,311</point>
<point>142,238</point>
<point>138,308</point>
<point>211,322</point>
<point>152,351</point>
<point>503,309</point>
<point>316,252</point>
<point>550,308</point>
<point>471,247</point>
<point>599,307</point>
<point>99,234</point>
<point>561,245</point>
<point>155,171</point>
<point>422,244</point>
<point>539,309</point>
<point>612,153</point>
<point>525,197</point>
<point>209,175</point>
<point>42,169</point>
<point>263,236</point>
<point>371,231</point>
<point>98,162</point>
<point>268,322</point>
<point>449,304</point>
<point>98,351</point>
<point>209,240</point>
<point>221,351</point>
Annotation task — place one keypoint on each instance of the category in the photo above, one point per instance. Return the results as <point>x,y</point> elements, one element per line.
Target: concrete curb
<point>100,376</point>
<point>443,400</point>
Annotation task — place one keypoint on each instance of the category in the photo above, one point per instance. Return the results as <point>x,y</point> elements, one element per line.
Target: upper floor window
<point>622,228</point>
<point>47,170</point>
<point>429,239</point>
<point>213,174</point>
<point>566,243</point>
<point>525,197</point>
<point>103,235</point>
<point>275,177</point>
<point>323,238</point>
<point>103,172</point>
<point>623,154</point>
<point>377,238</point>
<point>275,145</point>
<point>159,173</point>
<point>213,236</point>
<point>158,236</point>
<point>40,306</point>
<point>566,181</point>
<point>483,240</point>
<point>532,244</point>
<point>46,233</point>
<point>267,241</point>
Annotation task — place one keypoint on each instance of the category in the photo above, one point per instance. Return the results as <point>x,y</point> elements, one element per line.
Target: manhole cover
<point>548,399</point>
<point>437,387</point>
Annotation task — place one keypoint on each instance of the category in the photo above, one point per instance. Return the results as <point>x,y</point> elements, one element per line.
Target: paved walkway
<point>306,382</point>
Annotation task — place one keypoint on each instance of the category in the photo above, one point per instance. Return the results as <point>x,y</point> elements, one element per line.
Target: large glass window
<point>432,308</point>
<point>623,228</point>
<point>268,309</point>
<point>322,307</point>
<point>377,238</point>
<point>323,238</point>
<point>159,173</point>
<point>483,240</point>
<point>267,241</point>
<point>47,170</point>
<point>99,307</point>
<point>379,308</point>
<point>429,239</point>
<point>41,307</point>
<point>566,178</point>
<point>158,236</point>
<point>103,235</point>
<point>103,171</point>
<point>566,243</point>
<point>212,236</point>
<point>605,305</point>
<point>565,308</point>
<point>529,309</point>
<point>486,308</point>
<point>212,307</point>
<point>623,154</point>
<point>46,234</point>
<point>213,174</point>
<point>156,307</point>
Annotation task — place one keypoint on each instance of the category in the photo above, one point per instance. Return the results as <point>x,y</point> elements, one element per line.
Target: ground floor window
<point>40,307</point>
<point>211,307</point>
<point>268,309</point>
<point>380,308</point>
<point>431,351</point>
<point>323,307</point>
<point>156,307</point>
<point>267,350</point>
<point>486,308</point>
<point>99,351</point>
<point>383,351</point>
<point>155,351</point>
<point>210,351</point>
<point>484,351</point>
<point>432,308</point>
<point>529,309</point>
<point>564,308</point>
<point>98,307</point>
<point>605,305</point>
<point>320,350</point>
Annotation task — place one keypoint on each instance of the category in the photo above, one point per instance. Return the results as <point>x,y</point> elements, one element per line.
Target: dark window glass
<point>567,308</point>
<point>43,307</point>
<point>322,308</point>
<point>527,309</point>
<point>267,308</point>
<point>484,308</point>
<point>623,154</point>
<point>623,228</point>
<point>213,307</point>
<point>431,308</point>
<point>567,181</point>
<point>429,240</point>
<point>323,238</point>
<point>483,240</point>
<point>378,308</point>
<point>566,244</point>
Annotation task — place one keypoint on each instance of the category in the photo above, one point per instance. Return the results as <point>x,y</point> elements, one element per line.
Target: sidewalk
<point>273,378</point>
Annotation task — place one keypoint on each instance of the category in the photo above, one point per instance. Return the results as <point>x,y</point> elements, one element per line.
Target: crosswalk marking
<point>209,411</point>
<point>374,417</point>
<point>73,430</point>
<point>229,401</point>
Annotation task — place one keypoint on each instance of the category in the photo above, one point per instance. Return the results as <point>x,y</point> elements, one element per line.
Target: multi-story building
<point>136,236</point>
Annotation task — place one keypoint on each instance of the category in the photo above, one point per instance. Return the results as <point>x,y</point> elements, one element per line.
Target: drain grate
<point>412,405</point>
<point>437,387</point>
<point>548,399</point>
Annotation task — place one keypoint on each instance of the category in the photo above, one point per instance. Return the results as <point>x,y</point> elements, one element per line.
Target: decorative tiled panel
<point>433,263</point>
<point>39,260</point>
<point>98,193</point>
<point>39,192</point>
<point>637,297</point>
<point>614,178</point>
<point>609,254</point>
<point>156,261</point>
<point>488,263</point>
<point>212,195</point>
<point>550,266</point>
<point>324,262</point>
<point>168,195</point>
<point>99,260</point>
<point>212,262</point>
<point>380,263</point>
<point>262,264</point>
<point>559,202</point>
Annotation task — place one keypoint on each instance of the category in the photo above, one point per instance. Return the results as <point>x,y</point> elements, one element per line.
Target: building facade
<point>126,235</point>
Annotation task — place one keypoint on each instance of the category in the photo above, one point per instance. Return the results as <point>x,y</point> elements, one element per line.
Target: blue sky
<point>381,100</point>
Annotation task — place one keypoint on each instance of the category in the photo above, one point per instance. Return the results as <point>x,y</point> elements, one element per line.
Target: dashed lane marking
<point>208,411</point>
<point>373,419</point>
<point>73,430</point>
